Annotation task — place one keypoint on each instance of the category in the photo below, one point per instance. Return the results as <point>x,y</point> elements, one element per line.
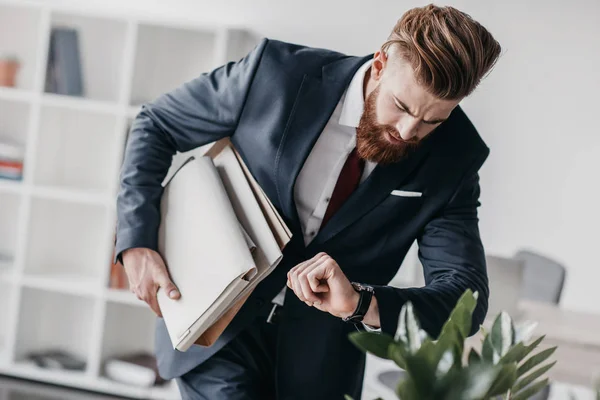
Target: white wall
<point>536,110</point>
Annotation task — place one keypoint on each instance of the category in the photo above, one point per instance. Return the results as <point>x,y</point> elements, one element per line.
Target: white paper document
<point>219,236</point>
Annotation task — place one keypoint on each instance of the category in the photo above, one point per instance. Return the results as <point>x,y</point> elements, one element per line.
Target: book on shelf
<point>219,236</point>
<point>63,70</point>
<point>11,159</point>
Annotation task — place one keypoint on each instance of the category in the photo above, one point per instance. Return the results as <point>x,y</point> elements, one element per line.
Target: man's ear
<point>380,60</point>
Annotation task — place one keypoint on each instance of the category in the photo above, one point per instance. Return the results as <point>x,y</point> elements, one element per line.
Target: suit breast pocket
<point>394,203</point>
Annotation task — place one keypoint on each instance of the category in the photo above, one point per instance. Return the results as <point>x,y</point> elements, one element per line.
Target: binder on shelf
<point>63,71</point>
<point>208,207</point>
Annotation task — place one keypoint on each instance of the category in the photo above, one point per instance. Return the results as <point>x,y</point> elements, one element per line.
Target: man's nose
<point>407,128</point>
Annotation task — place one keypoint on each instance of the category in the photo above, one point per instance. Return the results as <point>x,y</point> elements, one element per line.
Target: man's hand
<point>147,273</point>
<point>320,283</point>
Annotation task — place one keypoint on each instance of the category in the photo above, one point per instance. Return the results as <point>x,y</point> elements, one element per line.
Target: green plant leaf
<point>407,390</point>
<point>535,360</point>
<point>450,340</point>
<point>532,377</point>
<point>504,381</point>
<point>445,363</point>
<point>474,357</point>
<point>487,350</point>
<point>532,346</point>
<point>397,353</point>
<point>519,351</point>
<point>346,397</point>
<point>502,335</point>
<point>471,383</point>
<point>530,391</point>
<point>401,334</point>
<point>422,373</point>
<point>515,354</point>
<point>461,316</point>
<point>371,342</point>
<point>409,332</point>
<point>456,328</point>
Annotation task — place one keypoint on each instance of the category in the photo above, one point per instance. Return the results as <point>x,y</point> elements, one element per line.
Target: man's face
<point>398,112</point>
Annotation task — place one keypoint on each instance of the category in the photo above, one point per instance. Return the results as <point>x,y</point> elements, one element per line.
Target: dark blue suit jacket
<point>273,104</point>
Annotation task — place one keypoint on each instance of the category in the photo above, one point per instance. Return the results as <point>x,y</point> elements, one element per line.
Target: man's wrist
<point>372,316</point>
<point>352,305</point>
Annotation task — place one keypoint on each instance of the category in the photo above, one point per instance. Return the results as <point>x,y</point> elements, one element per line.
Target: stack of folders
<point>219,236</point>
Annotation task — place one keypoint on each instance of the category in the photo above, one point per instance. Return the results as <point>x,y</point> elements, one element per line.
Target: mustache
<point>394,132</point>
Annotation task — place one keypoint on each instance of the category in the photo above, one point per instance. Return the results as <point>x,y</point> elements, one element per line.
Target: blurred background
<point>73,75</point>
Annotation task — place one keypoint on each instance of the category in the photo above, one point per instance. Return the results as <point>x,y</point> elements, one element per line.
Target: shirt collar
<point>354,101</point>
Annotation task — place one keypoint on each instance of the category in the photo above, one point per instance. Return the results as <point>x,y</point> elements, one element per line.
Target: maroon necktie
<point>347,181</point>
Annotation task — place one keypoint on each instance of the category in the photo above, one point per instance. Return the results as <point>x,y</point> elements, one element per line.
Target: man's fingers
<point>149,296</point>
<point>309,295</point>
<point>315,283</point>
<point>296,287</point>
<point>168,286</point>
<point>298,276</point>
<point>153,303</point>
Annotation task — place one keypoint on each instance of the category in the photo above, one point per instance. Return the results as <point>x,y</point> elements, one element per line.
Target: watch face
<point>360,286</point>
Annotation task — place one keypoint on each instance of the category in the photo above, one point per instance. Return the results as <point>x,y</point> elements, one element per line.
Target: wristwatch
<point>364,301</point>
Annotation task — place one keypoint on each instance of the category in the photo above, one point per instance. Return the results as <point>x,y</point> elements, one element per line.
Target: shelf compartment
<point>127,329</point>
<point>75,149</point>
<point>46,322</point>
<point>167,57</point>
<point>68,240</point>
<point>19,36</point>
<point>14,125</point>
<point>6,290</point>
<point>10,207</point>
<point>101,49</point>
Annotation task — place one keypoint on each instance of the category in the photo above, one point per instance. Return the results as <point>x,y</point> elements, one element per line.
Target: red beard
<point>371,142</point>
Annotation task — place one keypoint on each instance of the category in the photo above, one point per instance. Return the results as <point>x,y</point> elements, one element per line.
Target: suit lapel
<point>315,102</point>
<point>382,180</point>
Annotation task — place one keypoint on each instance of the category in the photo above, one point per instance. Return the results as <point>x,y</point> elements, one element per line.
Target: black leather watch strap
<point>364,301</point>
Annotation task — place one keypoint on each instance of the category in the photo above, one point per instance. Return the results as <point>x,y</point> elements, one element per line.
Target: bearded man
<point>361,156</point>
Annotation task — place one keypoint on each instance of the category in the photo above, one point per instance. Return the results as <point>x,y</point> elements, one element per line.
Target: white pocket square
<point>403,193</point>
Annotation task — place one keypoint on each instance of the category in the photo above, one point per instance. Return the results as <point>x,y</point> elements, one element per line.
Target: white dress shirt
<point>319,174</point>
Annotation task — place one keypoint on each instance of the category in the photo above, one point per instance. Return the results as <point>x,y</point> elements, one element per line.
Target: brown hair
<point>449,51</point>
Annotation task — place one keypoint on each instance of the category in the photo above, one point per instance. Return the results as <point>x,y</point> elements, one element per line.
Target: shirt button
<point>311,233</point>
<point>327,200</point>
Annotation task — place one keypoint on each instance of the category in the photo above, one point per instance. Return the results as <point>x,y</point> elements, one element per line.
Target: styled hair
<point>448,50</point>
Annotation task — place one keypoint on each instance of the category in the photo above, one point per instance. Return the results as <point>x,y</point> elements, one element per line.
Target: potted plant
<point>443,369</point>
<point>9,65</point>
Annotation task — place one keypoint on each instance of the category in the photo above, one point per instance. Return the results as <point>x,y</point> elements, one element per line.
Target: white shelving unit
<point>58,223</point>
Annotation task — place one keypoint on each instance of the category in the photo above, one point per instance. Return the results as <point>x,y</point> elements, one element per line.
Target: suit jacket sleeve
<point>198,112</point>
<point>453,259</point>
